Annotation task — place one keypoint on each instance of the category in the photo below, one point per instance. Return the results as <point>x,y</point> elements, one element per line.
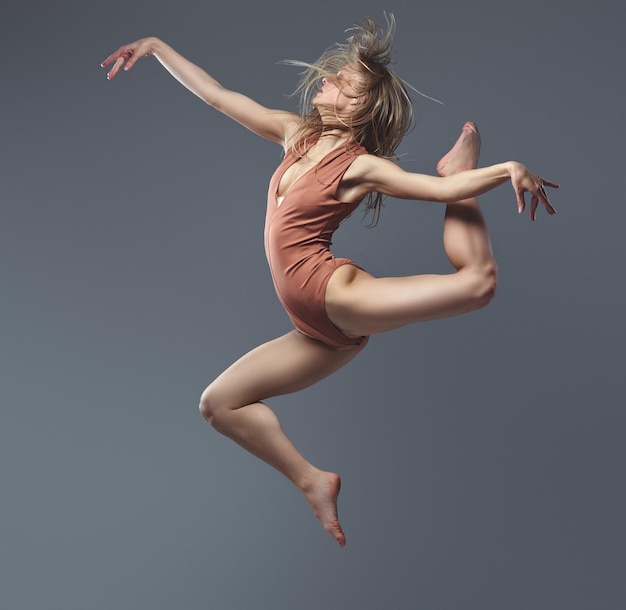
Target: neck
<point>331,137</point>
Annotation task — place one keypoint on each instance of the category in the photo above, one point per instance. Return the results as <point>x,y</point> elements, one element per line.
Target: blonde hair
<point>384,113</point>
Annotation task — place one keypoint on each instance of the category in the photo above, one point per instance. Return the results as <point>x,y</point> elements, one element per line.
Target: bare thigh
<point>360,304</point>
<point>287,364</point>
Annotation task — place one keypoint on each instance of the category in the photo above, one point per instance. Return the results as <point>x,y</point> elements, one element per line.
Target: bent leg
<point>360,304</point>
<point>232,405</point>
<point>465,236</point>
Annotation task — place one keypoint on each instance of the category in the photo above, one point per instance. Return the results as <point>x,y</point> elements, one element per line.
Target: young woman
<point>337,155</point>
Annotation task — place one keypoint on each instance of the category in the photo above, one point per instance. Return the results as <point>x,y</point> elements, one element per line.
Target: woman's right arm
<point>275,125</point>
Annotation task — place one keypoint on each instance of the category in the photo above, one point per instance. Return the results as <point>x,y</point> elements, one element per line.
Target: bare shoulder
<point>370,173</point>
<point>367,172</point>
<point>292,123</point>
<point>357,182</point>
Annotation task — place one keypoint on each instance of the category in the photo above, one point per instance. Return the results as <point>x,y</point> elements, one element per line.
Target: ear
<point>355,101</point>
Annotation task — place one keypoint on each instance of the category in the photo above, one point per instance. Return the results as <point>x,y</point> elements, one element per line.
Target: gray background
<point>482,456</point>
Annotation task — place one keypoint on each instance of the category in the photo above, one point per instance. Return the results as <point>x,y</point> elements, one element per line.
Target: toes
<point>337,534</point>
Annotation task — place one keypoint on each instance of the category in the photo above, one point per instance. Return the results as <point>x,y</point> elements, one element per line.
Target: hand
<point>522,180</point>
<point>129,53</point>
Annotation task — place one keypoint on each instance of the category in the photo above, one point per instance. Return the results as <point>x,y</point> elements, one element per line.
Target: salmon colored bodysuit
<point>298,232</point>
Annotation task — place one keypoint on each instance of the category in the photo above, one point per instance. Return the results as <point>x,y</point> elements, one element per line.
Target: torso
<point>350,188</point>
<point>307,200</point>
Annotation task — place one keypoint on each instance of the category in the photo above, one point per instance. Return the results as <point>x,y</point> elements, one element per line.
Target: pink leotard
<point>298,233</point>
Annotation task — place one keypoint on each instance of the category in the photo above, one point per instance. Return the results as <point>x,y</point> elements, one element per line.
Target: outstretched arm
<point>275,125</point>
<point>383,176</point>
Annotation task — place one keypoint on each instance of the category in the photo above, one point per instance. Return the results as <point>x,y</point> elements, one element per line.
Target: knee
<point>210,405</point>
<point>486,284</point>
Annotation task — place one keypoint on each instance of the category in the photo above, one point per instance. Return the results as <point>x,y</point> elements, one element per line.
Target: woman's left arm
<point>383,176</point>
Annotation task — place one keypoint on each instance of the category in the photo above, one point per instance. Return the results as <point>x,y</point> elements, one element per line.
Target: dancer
<point>337,155</point>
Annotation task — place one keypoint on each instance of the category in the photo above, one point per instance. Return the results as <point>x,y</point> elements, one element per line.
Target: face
<point>341,93</point>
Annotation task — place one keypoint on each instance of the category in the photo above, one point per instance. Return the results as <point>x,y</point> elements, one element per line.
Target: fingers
<point>132,60</point>
<point>109,59</point>
<point>119,62</point>
<point>533,207</point>
<point>536,187</point>
<point>554,185</point>
<point>122,52</point>
<point>543,196</point>
<point>128,54</point>
<point>546,203</point>
<point>119,57</point>
<point>521,204</point>
<point>538,193</point>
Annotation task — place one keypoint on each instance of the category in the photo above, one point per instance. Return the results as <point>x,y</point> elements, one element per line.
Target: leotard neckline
<point>280,199</point>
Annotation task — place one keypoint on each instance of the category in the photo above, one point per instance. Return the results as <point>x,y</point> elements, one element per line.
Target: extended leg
<point>232,405</point>
<point>360,304</point>
<point>465,236</point>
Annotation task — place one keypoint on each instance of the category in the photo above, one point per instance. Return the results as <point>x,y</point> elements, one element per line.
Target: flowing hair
<point>384,113</point>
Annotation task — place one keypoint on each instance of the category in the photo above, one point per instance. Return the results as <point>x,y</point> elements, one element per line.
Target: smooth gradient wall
<point>482,457</point>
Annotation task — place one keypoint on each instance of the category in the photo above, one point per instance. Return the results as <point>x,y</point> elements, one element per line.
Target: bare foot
<point>322,493</point>
<point>464,154</point>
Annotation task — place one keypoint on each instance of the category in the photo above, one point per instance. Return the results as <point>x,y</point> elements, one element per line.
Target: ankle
<point>306,480</point>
